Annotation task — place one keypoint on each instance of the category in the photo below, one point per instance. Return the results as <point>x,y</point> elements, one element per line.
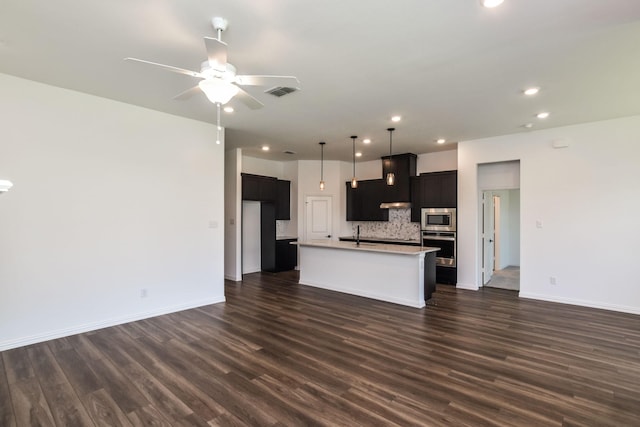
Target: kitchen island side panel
<point>396,278</point>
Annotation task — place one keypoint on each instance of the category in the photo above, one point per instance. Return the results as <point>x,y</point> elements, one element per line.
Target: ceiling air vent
<point>280,91</point>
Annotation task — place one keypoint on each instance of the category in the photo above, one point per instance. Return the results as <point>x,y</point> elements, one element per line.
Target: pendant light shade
<point>354,180</point>
<point>322,165</point>
<point>391,177</point>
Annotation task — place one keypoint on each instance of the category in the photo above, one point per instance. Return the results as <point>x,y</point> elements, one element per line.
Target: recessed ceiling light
<point>396,118</point>
<point>491,3</point>
<point>542,115</point>
<point>531,91</point>
<point>366,141</point>
<point>528,125</point>
<point>358,154</point>
<point>441,141</point>
<point>265,148</point>
<point>228,109</point>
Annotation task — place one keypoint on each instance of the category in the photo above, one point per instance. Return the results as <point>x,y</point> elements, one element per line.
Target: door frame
<point>306,207</point>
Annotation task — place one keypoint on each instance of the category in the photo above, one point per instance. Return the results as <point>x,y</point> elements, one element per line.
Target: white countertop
<point>283,237</point>
<point>368,247</point>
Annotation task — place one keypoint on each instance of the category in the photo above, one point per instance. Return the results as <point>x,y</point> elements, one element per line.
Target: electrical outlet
<point>552,280</point>
<point>143,293</point>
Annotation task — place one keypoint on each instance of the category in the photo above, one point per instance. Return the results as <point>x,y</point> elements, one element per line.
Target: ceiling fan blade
<point>167,67</point>
<point>188,93</point>
<point>248,100</point>
<point>285,81</point>
<point>216,53</point>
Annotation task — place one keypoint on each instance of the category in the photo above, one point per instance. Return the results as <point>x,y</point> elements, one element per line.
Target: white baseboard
<point>233,278</point>
<point>51,335</point>
<point>467,286</point>
<point>582,303</point>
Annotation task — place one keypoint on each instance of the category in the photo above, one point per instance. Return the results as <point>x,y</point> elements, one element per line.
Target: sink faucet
<point>358,236</point>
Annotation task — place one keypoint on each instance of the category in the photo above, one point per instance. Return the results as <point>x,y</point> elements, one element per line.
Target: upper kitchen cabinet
<point>440,189</point>
<point>433,190</point>
<point>283,200</point>
<point>268,189</point>
<point>363,203</point>
<point>403,167</point>
<point>258,187</point>
<point>416,198</point>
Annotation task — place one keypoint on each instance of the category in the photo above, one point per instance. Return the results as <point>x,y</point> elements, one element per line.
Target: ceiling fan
<point>219,80</point>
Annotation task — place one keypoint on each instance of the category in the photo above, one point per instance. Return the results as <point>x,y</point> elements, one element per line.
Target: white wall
<point>436,162</point>
<point>263,167</point>
<point>108,200</point>
<point>570,191</point>
<point>308,185</point>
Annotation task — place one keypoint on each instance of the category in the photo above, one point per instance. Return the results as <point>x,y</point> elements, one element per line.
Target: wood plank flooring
<point>280,354</point>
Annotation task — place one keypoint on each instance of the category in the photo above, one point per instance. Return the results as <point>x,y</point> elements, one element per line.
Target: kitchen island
<point>393,273</point>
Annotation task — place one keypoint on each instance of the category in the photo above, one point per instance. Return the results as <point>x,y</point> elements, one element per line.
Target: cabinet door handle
<point>329,235</point>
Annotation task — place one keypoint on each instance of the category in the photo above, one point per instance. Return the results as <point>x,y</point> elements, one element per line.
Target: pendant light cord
<point>354,155</point>
<point>390,143</point>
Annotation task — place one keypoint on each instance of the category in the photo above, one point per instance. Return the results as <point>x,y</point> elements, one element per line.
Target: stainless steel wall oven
<point>439,230</point>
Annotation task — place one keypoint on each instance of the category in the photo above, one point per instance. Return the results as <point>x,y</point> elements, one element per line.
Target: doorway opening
<point>501,239</point>
<point>499,225</point>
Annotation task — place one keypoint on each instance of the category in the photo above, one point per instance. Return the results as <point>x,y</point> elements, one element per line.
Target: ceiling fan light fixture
<point>491,3</point>
<point>5,185</point>
<point>218,91</point>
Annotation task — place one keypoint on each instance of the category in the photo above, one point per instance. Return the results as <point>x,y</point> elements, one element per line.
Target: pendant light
<point>354,180</point>
<point>322,165</point>
<point>391,177</point>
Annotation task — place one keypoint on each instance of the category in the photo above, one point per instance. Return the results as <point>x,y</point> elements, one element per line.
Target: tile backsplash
<point>398,227</point>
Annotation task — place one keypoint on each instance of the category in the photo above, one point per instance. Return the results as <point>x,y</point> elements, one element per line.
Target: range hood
<point>395,205</point>
<point>403,167</point>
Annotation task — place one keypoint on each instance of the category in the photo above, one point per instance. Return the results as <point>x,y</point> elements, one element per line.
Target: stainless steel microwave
<point>438,219</point>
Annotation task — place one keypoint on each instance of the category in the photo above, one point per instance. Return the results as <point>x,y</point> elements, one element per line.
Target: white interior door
<point>487,236</point>
<point>496,233</point>
<point>318,217</point>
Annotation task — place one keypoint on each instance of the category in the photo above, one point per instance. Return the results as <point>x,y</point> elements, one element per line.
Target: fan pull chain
<point>218,124</point>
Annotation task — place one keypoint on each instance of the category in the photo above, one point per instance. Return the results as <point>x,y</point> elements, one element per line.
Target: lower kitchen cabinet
<point>447,275</point>
<point>286,254</point>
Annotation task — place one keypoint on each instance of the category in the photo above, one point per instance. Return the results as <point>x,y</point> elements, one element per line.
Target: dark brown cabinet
<point>283,199</point>
<point>440,189</point>
<point>267,236</point>
<point>433,190</point>
<point>416,198</point>
<point>268,189</point>
<point>363,203</point>
<point>403,167</point>
<point>286,255</point>
<point>259,188</point>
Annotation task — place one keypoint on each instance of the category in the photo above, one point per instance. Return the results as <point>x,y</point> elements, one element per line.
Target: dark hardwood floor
<point>278,354</point>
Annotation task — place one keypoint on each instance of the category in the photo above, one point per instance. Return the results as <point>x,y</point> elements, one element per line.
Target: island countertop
<point>370,247</point>
<point>393,273</point>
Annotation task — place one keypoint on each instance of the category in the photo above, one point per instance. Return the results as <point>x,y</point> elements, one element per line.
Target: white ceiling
<point>451,68</point>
